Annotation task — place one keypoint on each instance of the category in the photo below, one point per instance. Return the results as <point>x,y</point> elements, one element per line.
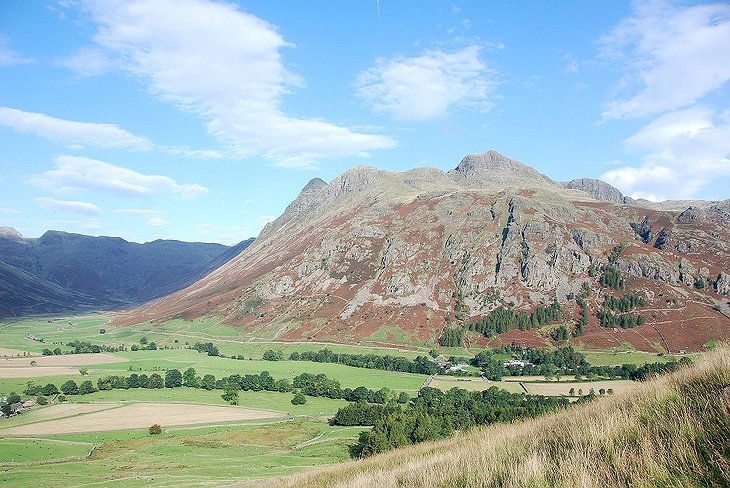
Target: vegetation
<point>624,304</point>
<point>672,431</point>
<point>580,328</point>
<point>504,319</point>
<point>607,318</point>
<point>421,364</point>
<point>612,278</point>
<point>452,337</point>
<point>434,415</point>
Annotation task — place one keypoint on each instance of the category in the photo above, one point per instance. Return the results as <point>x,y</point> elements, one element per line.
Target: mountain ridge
<point>62,271</point>
<point>398,257</point>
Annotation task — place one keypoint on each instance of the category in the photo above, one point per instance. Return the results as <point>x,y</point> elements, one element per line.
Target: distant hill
<point>478,252</point>
<point>670,431</point>
<point>61,271</point>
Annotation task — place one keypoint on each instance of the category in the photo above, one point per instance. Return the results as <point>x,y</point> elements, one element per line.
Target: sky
<point>201,120</point>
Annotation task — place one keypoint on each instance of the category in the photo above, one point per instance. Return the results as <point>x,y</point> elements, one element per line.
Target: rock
<point>722,285</point>
<point>692,214</point>
<point>600,190</point>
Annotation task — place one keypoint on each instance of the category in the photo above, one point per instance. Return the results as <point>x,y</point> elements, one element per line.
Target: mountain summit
<point>400,258</point>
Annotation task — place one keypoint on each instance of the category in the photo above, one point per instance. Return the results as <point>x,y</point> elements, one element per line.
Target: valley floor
<point>103,437</point>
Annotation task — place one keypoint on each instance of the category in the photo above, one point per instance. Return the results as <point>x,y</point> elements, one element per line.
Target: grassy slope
<point>672,431</point>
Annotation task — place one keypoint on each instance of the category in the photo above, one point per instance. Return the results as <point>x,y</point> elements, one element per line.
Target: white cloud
<point>683,152</point>
<point>672,57</point>
<point>83,208</point>
<point>74,174</point>
<point>153,218</point>
<point>427,86</point>
<point>223,64</point>
<point>88,61</point>
<point>8,57</point>
<point>71,132</point>
<point>9,211</point>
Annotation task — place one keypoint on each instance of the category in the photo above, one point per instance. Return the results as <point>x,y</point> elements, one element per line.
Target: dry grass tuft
<point>673,431</point>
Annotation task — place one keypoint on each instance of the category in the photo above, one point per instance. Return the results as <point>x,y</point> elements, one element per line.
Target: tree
<point>13,398</point>
<point>299,399</point>
<point>102,331</point>
<point>230,392</point>
<point>271,355</point>
<point>41,400</point>
<point>155,381</point>
<point>173,378</point>
<point>571,392</point>
<point>133,381</point>
<point>403,397</point>
<point>49,389</point>
<point>155,429</point>
<point>86,387</point>
<point>57,351</point>
<point>208,382</point>
<point>190,379</point>
<point>70,388</point>
<point>83,371</point>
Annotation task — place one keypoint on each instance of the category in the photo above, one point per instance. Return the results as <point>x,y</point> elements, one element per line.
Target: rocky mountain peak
<point>600,190</point>
<point>314,185</point>
<point>10,232</point>
<point>493,167</point>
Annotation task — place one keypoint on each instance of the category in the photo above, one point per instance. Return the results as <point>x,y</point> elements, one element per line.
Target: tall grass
<point>672,431</point>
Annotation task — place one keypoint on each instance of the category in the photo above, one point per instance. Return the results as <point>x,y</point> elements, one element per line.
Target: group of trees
<point>611,277</point>
<point>83,347</point>
<point>272,355</point>
<point>561,361</point>
<point>206,347</point>
<point>580,328</point>
<point>503,319</point>
<point>625,303</point>
<point>435,414</point>
<point>606,318</point>
<point>452,337</point>
<point>420,365</point>
<point>318,385</point>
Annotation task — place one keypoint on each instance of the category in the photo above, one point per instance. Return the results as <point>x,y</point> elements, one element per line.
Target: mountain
<point>619,440</point>
<point>600,190</point>
<point>61,271</point>
<point>385,257</point>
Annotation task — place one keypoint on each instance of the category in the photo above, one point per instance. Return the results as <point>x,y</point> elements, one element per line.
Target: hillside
<point>61,271</point>
<point>670,431</point>
<point>397,258</point>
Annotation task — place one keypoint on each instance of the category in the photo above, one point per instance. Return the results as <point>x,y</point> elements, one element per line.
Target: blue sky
<point>201,120</point>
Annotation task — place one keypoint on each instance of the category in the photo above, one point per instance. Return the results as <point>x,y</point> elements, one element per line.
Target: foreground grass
<point>205,456</point>
<point>673,431</point>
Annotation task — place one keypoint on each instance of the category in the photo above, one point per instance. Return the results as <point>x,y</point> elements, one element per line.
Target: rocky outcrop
<point>600,190</point>
<point>692,214</point>
<point>722,285</point>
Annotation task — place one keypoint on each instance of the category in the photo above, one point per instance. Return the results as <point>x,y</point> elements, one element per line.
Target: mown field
<point>204,440</point>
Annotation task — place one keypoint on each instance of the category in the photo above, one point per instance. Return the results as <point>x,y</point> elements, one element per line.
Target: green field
<point>189,457</point>
<point>201,455</point>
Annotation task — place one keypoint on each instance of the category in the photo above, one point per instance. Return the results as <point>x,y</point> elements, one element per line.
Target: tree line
<point>435,414</point>
<point>420,365</point>
<point>561,361</point>
<point>316,385</point>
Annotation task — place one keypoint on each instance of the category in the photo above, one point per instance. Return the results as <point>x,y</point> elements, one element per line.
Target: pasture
<point>121,416</point>
<point>204,441</point>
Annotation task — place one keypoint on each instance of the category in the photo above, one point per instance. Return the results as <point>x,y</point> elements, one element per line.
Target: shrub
<point>155,429</point>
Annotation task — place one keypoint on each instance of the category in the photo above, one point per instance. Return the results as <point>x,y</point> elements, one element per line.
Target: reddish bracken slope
<point>384,257</point>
